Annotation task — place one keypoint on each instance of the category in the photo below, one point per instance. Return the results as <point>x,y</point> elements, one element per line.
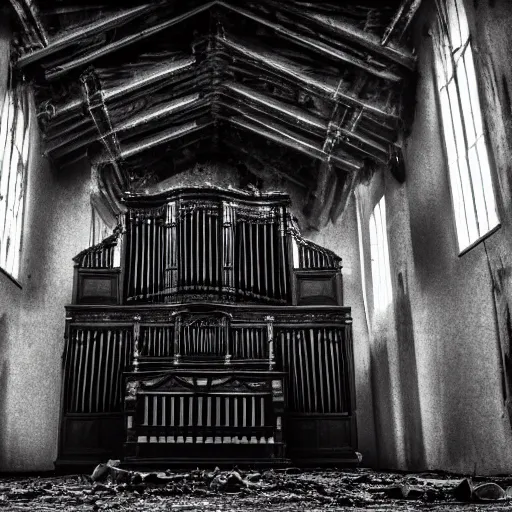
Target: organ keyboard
<point>206,329</point>
<point>174,415</point>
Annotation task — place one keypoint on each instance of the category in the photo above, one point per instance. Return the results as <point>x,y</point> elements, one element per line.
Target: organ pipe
<point>206,347</point>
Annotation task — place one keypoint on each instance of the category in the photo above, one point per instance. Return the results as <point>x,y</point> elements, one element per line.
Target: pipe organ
<point>206,328</point>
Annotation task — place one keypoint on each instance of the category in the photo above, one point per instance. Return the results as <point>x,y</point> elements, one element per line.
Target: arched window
<point>14,152</point>
<point>468,160</point>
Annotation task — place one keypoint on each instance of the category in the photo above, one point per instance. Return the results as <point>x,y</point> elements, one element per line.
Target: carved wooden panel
<point>97,287</point>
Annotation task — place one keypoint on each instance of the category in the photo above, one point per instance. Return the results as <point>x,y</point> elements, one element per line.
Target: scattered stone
<point>230,489</point>
<point>361,479</point>
<point>136,479</point>
<point>253,477</point>
<point>100,472</point>
<point>157,478</point>
<point>464,491</point>
<point>415,492</point>
<point>218,482</point>
<point>489,492</point>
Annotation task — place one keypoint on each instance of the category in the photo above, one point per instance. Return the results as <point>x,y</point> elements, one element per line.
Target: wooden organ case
<point>207,330</point>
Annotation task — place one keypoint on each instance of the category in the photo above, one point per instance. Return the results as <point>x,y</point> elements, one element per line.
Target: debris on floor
<point>110,487</point>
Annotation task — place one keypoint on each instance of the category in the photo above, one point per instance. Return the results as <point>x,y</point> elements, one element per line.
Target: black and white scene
<point>255,255</point>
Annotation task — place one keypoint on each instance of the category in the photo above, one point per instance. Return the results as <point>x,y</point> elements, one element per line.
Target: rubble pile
<point>113,488</point>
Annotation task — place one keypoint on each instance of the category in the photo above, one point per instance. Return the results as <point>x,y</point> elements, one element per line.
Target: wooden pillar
<point>136,347</point>
<point>228,252</point>
<point>270,340</point>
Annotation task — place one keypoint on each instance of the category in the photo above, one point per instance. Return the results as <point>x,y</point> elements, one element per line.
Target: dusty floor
<point>291,489</point>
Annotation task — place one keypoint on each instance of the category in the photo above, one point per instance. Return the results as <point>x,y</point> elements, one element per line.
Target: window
<point>381,273</point>
<point>14,146</point>
<point>468,162</point>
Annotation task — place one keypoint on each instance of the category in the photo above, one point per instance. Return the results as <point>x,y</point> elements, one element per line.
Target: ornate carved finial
<point>132,388</point>
<point>270,339</point>
<point>136,348</point>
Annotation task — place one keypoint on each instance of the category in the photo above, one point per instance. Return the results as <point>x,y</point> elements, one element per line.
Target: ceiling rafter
<point>157,73</point>
<point>351,34</point>
<point>28,16</point>
<point>400,21</point>
<point>163,137</point>
<point>287,68</point>
<point>57,44</point>
<point>278,133</point>
<point>315,45</point>
<point>162,111</point>
<point>89,57</point>
<point>365,39</point>
<point>283,79</point>
<point>300,116</point>
<point>98,111</point>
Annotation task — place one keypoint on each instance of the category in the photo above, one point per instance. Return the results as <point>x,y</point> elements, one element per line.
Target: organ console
<point>207,329</point>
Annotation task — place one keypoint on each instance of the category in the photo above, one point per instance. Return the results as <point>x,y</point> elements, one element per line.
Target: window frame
<point>443,43</point>
<point>22,113</point>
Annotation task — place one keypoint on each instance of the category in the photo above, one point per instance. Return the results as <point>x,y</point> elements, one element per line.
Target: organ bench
<point>206,330</point>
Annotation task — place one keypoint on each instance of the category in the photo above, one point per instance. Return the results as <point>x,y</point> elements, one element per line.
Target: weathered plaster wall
<point>439,354</point>
<point>56,227</point>
<point>491,22</point>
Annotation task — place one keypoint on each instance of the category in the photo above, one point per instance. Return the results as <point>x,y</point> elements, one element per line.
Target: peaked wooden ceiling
<point>309,90</point>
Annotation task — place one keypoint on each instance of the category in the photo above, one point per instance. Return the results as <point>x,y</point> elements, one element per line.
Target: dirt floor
<point>111,488</point>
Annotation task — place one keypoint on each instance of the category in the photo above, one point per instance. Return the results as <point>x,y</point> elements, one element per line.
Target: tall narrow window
<point>14,149</point>
<point>468,160</point>
<point>381,272</point>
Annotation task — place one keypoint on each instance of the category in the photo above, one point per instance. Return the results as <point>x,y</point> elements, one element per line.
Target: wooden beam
<point>82,33</point>
<point>161,111</point>
<point>283,136</point>
<point>401,20</point>
<point>291,111</point>
<point>155,74</point>
<point>91,134</point>
<point>294,72</point>
<point>316,45</point>
<point>350,33</point>
<point>28,15</point>
<point>84,137</point>
<point>89,57</point>
<point>162,138</point>
<point>98,111</point>
<point>300,116</point>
